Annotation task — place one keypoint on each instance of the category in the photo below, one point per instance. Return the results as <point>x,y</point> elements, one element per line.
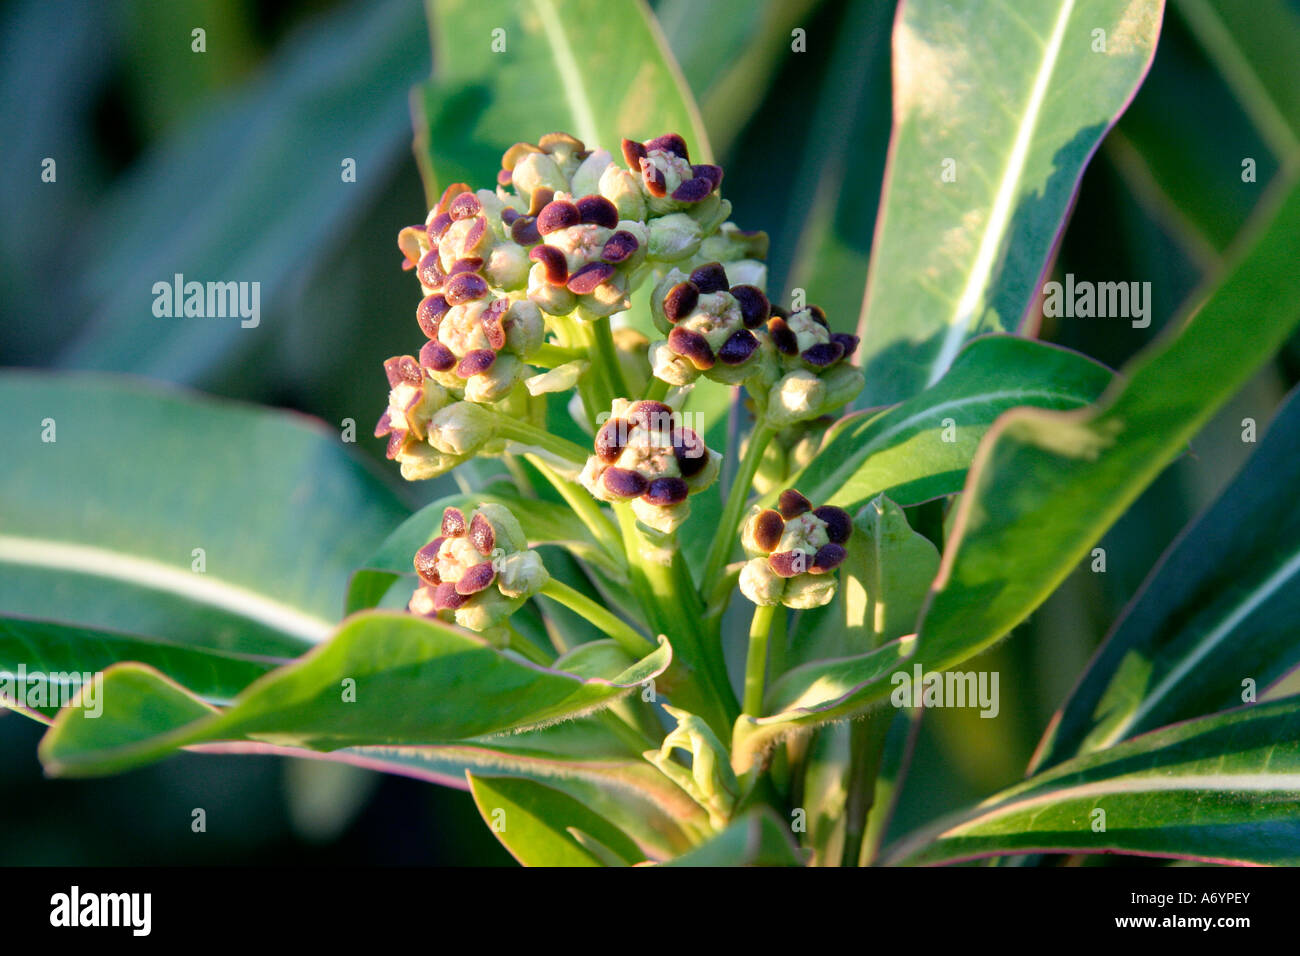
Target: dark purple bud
<point>504,177</point>
<point>552,259</point>
<point>633,153</point>
<point>475,579</point>
<point>464,206</point>
<point>712,173</point>
<point>787,564</point>
<point>437,356</point>
<point>754,307</point>
<point>453,522</point>
<point>690,452</point>
<point>477,233</point>
<point>783,336</point>
<point>838,523</point>
<point>429,270</point>
<point>467,264</point>
<point>540,198</point>
<point>737,349</point>
<point>768,528</point>
<point>848,342</point>
<point>476,362</point>
<point>449,195</point>
<point>710,277</point>
<point>558,214</point>
<point>669,143</point>
<point>426,562</point>
<point>430,312</point>
<point>445,597</point>
<point>667,491</point>
<point>655,182</point>
<point>828,558</point>
<point>791,504</point>
<point>681,301</point>
<point>623,483</point>
<point>493,330</point>
<point>524,231</point>
<point>610,439</point>
<point>693,346</point>
<point>384,425</point>
<point>819,315</point>
<point>403,368</point>
<point>482,536</point>
<point>651,415</point>
<point>779,310</point>
<point>693,190</point>
<point>509,214</point>
<point>598,211</point>
<point>465,287</point>
<point>438,225</point>
<point>619,246</point>
<point>823,354</point>
<point>589,276</point>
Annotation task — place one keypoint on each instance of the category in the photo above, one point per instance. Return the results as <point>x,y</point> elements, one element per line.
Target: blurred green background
<point>226,165</point>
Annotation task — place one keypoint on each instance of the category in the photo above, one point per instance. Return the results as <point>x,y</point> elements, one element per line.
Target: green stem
<point>525,648</point>
<point>756,661</point>
<point>602,336</point>
<point>723,540</point>
<point>527,433</point>
<point>657,391</point>
<point>866,747</point>
<point>618,629</point>
<point>549,355</point>
<point>585,507</point>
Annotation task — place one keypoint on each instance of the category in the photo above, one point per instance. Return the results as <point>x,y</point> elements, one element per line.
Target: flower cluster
<point>644,455</point>
<point>479,570</point>
<point>709,326</point>
<point>806,373</point>
<point>793,549</point>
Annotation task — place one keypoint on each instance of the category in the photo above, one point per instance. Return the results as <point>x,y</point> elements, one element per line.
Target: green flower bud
<point>643,455</point>
<point>674,237</point>
<point>794,550</point>
<point>413,400</point>
<point>804,371</point>
<point>710,327</point>
<point>710,780</point>
<point>478,571</point>
<point>461,428</point>
<point>559,379</point>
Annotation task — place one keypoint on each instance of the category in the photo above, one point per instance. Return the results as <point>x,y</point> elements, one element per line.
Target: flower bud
<point>478,571</point>
<point>643,455</point>
<point>794,550</point>
<point>710,780</point>
<point>461,428</point>
<point>413,399</point>
<point>805,371</point>
<point>710,327</point>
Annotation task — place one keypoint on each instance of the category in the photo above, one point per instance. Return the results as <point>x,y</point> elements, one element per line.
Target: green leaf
<point>48,653</point>
<point>1221,789</point>
<point>102,527</point>
<point>1015,96</point>
<point>383,678</point>
<point>1046,485</point>
<point>580,758</point>
<point>921,449</point>
<point>198,204</point>
<point>531,820</point>
<point>756,839</point>
<point>1222,605</point>
<point>597,70</point>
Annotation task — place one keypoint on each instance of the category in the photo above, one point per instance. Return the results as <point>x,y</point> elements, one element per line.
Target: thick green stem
<point>585,507</point>
<point>756,661</point>
<point>657,391</point>
<point>526,648</point>
<point>526,433</point>
<point>866,747</point>
<point>724,539</point>
<point>602,336</point>
<point>549,355</point>
<point>618,629</point>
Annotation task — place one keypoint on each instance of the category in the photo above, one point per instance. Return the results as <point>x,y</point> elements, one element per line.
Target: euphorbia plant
<point>641,634</point>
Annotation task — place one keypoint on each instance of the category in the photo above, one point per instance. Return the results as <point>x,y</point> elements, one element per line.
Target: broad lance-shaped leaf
<point>44,663</point>
<point>580,758</point>
<point>1222,606</point>
<point>211,202</point>
<point>383,678</point>
<point>921,449</point>
<point>127,507</point>
<point>543,522</point>
<point>1046,485</point>
<point>997,110</point>
<point>535,823</point>
<point>600,71</point>
<point>1224,788</point>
